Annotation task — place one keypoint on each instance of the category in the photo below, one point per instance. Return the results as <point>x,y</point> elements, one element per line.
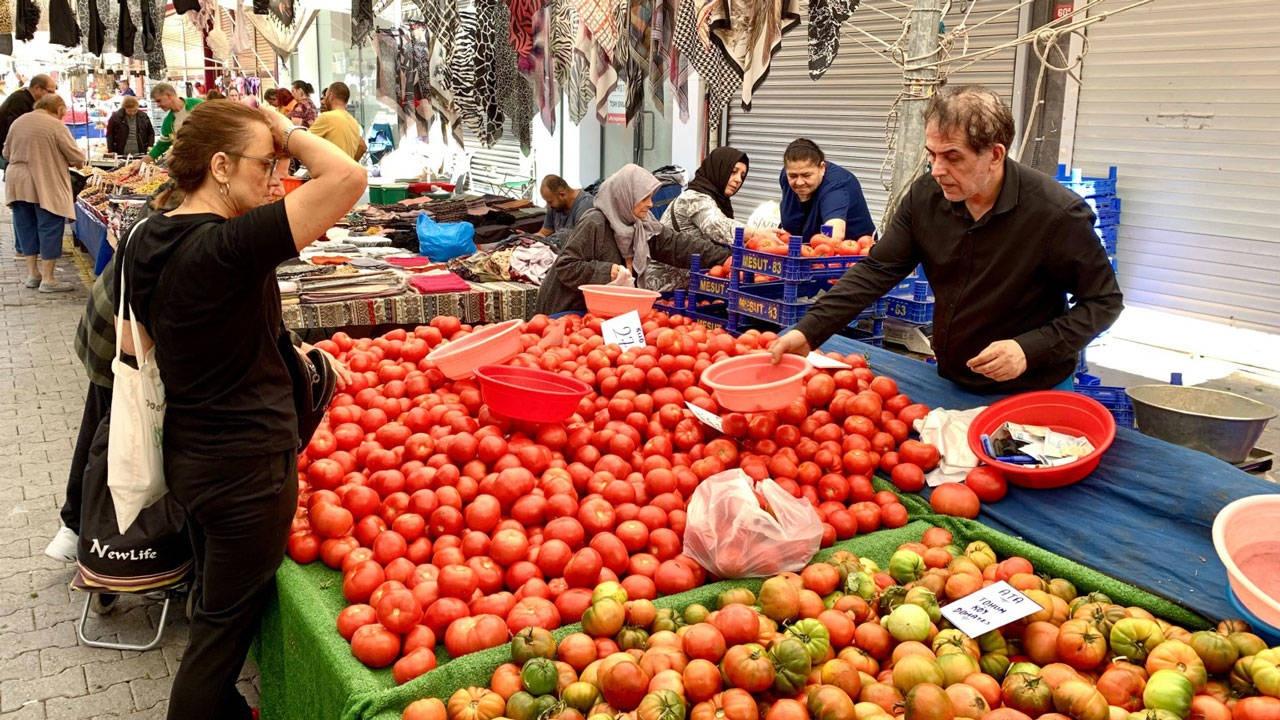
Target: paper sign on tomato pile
<point>625,331</point>
<point>989,609</point>
<point>822,362</point>
<point>709,419</point>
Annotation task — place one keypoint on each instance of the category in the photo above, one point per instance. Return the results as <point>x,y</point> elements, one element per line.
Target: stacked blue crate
<point>910,308</point>
<point>782,301</point>
<point>1100,194</point>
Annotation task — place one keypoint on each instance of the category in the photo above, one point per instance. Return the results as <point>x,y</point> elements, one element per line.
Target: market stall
<point>91,232</point>
<point>1103,522</point>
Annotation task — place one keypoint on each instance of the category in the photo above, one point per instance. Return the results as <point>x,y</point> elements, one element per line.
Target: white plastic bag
<point>135,457</point>
<point>624,279</point>
<point>767,216</point>
<point>729,534</point>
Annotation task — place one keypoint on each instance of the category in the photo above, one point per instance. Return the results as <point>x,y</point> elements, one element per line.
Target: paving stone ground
<point>45,672</point>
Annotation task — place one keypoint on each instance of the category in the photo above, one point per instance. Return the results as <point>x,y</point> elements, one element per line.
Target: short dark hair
<point>304,86</point>
<point>803,150</point>
<point>40,81</point>
<point>975,110</point>
<point>555,184</point>
<point>340,91</point>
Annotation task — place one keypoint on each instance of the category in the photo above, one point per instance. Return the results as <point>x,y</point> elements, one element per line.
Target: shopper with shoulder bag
<point>202,289</point>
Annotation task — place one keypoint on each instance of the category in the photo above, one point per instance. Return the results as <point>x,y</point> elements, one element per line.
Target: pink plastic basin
<point>1247,536</point>
<point>613,300</point>
<point>489,345</point>
<point>751,383</point>
<point>530,394</point>
<point>1065,412</point>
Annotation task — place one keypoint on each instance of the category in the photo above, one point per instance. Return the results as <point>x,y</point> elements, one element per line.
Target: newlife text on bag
<point>135,450</point>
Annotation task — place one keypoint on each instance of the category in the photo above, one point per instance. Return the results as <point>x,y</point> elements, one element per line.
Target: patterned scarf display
<point>640,17</point>
<point>721,81</point>
<point>472,76</point>
<point>153,37</point>
<point>660,51</point>
<point>543,72</point>
<point>522,13</point>
<point>825,19</point>
<point>515,93</point>
<point>361,21</point>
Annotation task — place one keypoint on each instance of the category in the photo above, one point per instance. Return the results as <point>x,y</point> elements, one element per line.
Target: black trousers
<point>97,405</point>
<point>239,510</point>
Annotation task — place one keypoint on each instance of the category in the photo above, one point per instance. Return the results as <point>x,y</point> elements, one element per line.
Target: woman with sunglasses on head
<point>200,281</point>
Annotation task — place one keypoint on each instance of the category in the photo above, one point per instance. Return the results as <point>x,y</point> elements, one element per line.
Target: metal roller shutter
<point>498,164</point>
<point>1184,99</point>
<point>845,111</point>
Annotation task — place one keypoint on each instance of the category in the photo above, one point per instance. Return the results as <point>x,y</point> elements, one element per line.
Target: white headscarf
<point>617,199</point>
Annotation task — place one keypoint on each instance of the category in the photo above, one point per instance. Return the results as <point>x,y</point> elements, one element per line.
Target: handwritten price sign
<point>625,331</point>
<point>990,608</point>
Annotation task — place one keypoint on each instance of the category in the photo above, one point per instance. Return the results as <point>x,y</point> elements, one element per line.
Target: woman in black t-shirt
<point>201,283</point>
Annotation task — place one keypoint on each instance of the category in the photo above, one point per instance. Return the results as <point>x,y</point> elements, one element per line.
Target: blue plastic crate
<point>770,301</point>
<point>1124,418</point>
<point>1082,369</point>
<point>1104,204</point>
<point>1112,398</point>
<point>704,284</point>
<point>1084,186</point>
<point>1108,236</point>
<point>793,266</point>
<point>910,310</point>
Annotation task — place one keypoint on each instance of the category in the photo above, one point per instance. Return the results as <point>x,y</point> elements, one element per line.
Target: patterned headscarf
<point>617,199</point>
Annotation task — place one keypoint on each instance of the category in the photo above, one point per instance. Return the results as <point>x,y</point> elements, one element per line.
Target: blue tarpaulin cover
<point>1144,516</point>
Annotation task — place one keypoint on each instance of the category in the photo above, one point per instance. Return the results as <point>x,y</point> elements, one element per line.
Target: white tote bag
<point>135,458</point>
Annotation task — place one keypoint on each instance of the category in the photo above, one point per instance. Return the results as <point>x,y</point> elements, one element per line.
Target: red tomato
<point>908,477</point>
<point>359,582</point>
<point>893,515</point>
<point>955,499</point>
<point>583,569</point>
<point>987,483</point>
<point>399,611</point>
<point>375,646</point>
<point>533,612</point>
<point>414,663</point>
<point>304,547</point>
<point>458,581</point>
<point>354,617</point>
<point>471,634</point>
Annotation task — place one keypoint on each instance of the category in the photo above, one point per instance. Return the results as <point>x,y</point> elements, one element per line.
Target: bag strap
<point>119,319</point>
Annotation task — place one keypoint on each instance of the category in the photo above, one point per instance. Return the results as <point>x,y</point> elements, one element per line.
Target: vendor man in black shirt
<point>1002,244</point>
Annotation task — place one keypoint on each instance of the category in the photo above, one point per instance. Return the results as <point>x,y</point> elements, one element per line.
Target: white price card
<point>989,609</point>
<point>709,419</point>
<point>822,362</point>
<point>625,331</point>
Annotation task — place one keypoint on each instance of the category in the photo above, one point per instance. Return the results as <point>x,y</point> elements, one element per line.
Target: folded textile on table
<point>414,263</point>
<point>438,281</point>
<point>532,263</point>
<point>948,430</point>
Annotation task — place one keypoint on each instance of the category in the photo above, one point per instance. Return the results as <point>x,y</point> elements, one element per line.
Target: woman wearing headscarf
<point>704,208</point>
<point>619,235</point>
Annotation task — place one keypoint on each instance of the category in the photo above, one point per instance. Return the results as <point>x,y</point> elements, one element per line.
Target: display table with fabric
<point>91,232</point>
<point>484,303</point>
<point>1143,518</point>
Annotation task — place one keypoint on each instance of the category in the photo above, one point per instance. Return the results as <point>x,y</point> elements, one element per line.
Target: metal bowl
<point>1222,424</point>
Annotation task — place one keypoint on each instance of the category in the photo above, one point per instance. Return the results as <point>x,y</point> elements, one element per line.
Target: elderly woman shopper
<point>705,208</point>
<point>129,131</point>
<point>40,150</point>
<point>619,238</point>
<point>200,280</point>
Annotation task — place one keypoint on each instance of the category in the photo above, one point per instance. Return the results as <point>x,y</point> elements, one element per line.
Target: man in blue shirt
<point>816,193</point>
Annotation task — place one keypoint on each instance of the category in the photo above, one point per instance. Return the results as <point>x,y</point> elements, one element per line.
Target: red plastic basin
<point>1247,538</point>
<point>489,345</point>
<point>530,394</point>
<point>609,301</point>
<point>751,383</point>
<point>1065,412</point>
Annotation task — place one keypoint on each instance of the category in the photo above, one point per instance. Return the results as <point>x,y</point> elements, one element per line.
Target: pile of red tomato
<point>452,524</point>
<point>848,640</point>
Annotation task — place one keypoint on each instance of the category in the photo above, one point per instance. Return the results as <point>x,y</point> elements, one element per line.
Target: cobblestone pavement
<point>44,671</point>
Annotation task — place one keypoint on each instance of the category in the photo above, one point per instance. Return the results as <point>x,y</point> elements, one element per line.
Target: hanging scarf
<point>515,94</point>
<point>152,37</point>
<point>720,79</point>
<point>617,199</point>
<point>361,21</point>
<point>522,13</point>
<point>63,28</point>
<point>472,72</point>
<point>713,176</point>
<point>660,48</point>
<point>640,18</point>
<point>543,72</point>
<point>748,33</point>
<point>130,40</point>
<point>825,19</point>
<point>28,16</point>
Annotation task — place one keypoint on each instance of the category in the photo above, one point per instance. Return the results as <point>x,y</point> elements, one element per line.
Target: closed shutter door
<point>1184,99</point>
<point>492,166</point>
<point>183,48</point>
<point>844,111</point>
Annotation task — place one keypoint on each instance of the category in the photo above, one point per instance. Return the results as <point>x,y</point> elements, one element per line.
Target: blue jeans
<point>37,231</point>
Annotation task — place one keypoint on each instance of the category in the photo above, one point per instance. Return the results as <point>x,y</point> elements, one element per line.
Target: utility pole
<point>920,72</point>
